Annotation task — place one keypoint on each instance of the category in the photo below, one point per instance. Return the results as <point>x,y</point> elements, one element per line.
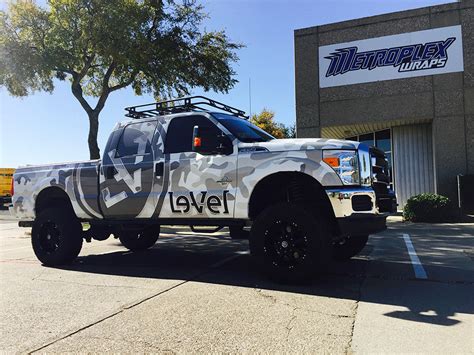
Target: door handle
<point>110,172</point>
<point>159,169</point>
<point>225,180</point>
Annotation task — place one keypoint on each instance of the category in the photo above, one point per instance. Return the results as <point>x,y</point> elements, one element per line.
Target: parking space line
<point>420,272</point>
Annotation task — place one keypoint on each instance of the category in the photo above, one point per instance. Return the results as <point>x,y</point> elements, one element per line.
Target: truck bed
<point>79,180</point>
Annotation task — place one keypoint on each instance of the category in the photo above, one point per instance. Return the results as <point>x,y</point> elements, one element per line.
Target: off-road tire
<point>238,232</point>
<point>349,247</point>
<point>56,236</point>
<point>139,240</point>
<point>290,242</point>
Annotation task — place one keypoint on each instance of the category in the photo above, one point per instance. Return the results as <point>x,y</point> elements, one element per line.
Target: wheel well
<point>290,187</point>
<point>52,197</point>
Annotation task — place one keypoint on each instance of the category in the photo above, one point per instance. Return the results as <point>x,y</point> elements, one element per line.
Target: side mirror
<point>197,139</point>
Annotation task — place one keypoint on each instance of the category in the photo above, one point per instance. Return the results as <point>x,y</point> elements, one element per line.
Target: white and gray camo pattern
<point>192,185</point>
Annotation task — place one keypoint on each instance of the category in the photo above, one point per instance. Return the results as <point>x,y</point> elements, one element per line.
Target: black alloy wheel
<point>286,244</point>
<point>56,236</point>
<point>290,242</point>
<point>49,237</point>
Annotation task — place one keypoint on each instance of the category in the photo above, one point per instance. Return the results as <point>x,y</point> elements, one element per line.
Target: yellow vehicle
<point>6,176</point>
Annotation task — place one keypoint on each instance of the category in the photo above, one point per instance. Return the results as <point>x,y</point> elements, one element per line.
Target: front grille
<point>381,180</point>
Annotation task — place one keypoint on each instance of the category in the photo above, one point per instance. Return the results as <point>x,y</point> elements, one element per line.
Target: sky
<point>46,128</point>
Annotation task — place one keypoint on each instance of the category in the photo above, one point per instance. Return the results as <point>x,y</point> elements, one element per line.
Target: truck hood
<point>279,145</point>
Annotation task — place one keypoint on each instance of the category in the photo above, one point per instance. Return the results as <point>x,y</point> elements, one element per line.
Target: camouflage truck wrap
<point>204,168</point>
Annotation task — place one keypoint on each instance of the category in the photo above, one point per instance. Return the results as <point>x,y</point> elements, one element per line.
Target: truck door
<point>127,173</point>
<point>201,185</point>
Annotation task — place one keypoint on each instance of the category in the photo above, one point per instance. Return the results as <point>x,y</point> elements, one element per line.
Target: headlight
<point>345,164</point>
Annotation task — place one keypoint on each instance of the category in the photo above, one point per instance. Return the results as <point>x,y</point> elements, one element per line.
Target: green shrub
<point>427,208</point>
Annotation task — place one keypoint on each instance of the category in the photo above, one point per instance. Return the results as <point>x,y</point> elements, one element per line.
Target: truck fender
<point>249,176</point>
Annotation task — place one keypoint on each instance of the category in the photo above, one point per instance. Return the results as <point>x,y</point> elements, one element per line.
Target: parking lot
<point>411,290</point>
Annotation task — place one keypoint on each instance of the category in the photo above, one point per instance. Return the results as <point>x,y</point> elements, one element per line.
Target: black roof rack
<point>183,104</point>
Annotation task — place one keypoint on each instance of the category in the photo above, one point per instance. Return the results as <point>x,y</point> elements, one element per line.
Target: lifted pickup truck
<point>178,163</point>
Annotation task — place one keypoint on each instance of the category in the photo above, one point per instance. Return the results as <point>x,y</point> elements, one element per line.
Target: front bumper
<point>359,210</point>
<point>361,224</point>
<point>347,201</point>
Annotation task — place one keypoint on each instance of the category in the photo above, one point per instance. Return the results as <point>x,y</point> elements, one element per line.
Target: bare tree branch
<point>107,75</point>
<point>78,94</point>
<point>86,67</point>
<point>76,87</point>
<point>105,88</point>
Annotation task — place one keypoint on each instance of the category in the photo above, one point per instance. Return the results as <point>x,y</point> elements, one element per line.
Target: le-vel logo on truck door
<point>213,203</point>
<point>429,52</point>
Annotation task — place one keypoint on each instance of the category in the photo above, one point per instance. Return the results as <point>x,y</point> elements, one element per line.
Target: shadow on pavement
<point>418,316</point>
<point>386,279</point>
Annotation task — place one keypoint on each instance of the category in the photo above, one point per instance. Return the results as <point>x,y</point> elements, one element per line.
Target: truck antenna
<point>250,97</point>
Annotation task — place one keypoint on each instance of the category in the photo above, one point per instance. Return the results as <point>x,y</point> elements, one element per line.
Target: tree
<point>265,121</point>
<point>102,46</point>
<point>290,131</point>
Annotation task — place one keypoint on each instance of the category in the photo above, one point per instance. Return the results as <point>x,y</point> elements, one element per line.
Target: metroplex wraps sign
<point>429,52</point>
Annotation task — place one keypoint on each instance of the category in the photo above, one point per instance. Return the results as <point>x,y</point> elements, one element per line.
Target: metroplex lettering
<point>407,58</point>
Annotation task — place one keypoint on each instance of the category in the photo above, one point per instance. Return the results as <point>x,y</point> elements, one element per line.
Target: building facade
<point>403,82</point>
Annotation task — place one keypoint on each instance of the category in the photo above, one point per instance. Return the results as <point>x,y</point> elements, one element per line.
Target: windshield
<point>242,129</point>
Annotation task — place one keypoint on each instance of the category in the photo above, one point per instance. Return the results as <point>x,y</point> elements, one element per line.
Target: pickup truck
<point>194,161</point>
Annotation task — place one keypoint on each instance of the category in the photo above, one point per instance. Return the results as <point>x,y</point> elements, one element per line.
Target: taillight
<point>12,187</point>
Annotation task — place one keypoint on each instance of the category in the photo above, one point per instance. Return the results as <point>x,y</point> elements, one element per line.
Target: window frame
<point>195,114</point>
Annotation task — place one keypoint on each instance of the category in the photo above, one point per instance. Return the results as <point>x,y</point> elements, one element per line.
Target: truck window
<point>242,129</point>
<point>180,133</point>
<point>136,139</point>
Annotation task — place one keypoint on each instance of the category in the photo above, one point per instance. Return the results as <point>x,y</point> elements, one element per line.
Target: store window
<point>367,138</point>
<point>383,142</point>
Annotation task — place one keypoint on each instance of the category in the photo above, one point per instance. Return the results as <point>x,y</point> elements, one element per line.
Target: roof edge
<point>427,10</point>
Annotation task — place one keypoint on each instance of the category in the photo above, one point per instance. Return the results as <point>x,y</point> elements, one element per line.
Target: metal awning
<point>366,127</point>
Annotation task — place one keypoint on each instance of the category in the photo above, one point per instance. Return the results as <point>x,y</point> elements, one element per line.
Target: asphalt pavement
<point>410,290</point>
